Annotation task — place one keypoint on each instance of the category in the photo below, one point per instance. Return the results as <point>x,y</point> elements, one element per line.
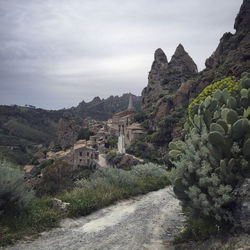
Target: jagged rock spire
<point>182,62</point>
<point>130,104</point>
<point>160,61</point>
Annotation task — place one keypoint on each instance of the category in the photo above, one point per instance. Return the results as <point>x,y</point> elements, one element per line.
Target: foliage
<point>214,157</point>
<point>13,193</point>
<point>142,150</point>
<point>37,217</point>
<point>103,188</point>
<point>140,116</point>
<point>112,141</point>
<point>198,229</point>
<point>84,134</point>
<point>109,184</point>
<point>229,83</point>
<point>123,161</point>
<point>55,178</point>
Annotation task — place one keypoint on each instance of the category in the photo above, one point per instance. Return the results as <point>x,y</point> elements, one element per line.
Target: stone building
<point>81,155</point>
<point>132,133</point>
<point>85,156</point>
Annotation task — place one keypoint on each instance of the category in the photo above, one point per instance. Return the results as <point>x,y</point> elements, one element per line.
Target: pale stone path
<point>146,222</point>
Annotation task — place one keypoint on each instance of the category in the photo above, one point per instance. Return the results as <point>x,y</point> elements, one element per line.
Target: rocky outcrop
<point>166,78</point>
<point>242,21</point>
<point>60,205</point>
<point>182,63</point>
<point>242,210</point>
<point>232,56</point>
<point>67,132</point>
<point>156,77</point>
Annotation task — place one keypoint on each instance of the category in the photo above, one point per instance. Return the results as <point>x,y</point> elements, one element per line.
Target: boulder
<point>242,210</point>
<point>58,204</point>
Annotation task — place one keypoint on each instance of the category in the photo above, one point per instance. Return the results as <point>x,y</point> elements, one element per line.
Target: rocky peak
<point>232,56</point>
<point>181,61</point>
<point>242,21</point>
<point>180,51</point>
<point>160,59</point>
<point>97,99</point>
<point>166,78</point>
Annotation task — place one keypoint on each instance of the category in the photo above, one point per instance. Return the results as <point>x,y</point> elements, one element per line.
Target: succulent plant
<point>215,155</point>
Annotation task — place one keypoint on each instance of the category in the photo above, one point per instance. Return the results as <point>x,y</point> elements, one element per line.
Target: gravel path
<point>146,222</point>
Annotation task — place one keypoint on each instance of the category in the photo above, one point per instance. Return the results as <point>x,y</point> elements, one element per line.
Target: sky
<point>56,53</point>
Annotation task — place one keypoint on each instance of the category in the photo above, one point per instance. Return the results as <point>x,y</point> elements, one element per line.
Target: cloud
<point>55,53</point>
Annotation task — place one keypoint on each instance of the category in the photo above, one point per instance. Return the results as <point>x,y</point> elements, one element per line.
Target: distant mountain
<point>102,109</point>
<point>23,127</point>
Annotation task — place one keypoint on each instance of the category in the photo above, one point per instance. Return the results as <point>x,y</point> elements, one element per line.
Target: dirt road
<point>146,222</point>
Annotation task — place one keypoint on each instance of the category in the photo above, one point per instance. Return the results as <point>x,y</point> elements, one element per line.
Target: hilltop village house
<point>81,155</point>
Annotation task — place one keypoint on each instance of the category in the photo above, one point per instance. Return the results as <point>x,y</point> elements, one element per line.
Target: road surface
<point>145,222</point>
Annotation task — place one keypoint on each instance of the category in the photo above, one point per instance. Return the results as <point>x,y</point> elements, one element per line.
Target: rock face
<point>67,132</point>
<point>166,78</point>
<point>232,56</point>
<point>58,204</point>
<point>242,21</point>
<point>181,62</point>
<point>242,214</point>
<point>156,77</point>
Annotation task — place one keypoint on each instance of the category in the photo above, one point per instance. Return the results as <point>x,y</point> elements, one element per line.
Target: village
<point>91,154</point>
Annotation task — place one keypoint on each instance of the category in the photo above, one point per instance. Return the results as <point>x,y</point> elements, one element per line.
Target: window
<point>80,153</point>
<point>87,153</point>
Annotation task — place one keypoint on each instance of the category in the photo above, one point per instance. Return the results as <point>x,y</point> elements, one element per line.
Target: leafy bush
<point>140,116</point>
<point>13,193</point>
<point>38,216</point>
<point>84,134</point>
<point>123,161</point>
<point>103,188</point>
<point>109,176</point>
<point>149,170</point>
<point>109,184</point>
<point>112,141</point>
<point>55,178</point>
<point>229,83</point>
<point>215,156</point>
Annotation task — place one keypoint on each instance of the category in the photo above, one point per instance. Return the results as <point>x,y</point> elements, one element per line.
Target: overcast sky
<point>56,53</point>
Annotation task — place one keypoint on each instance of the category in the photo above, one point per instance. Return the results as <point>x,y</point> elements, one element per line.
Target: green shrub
<point>214,157</point>
<point>55,178</point>
<point>103,188</point>
<point>140,116</point>
<point>13,193</point>
<point>229,83</point>
<point>112,141</point>
<point>109,184</point>
<point>38,216</point>
<point>84,134</point>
